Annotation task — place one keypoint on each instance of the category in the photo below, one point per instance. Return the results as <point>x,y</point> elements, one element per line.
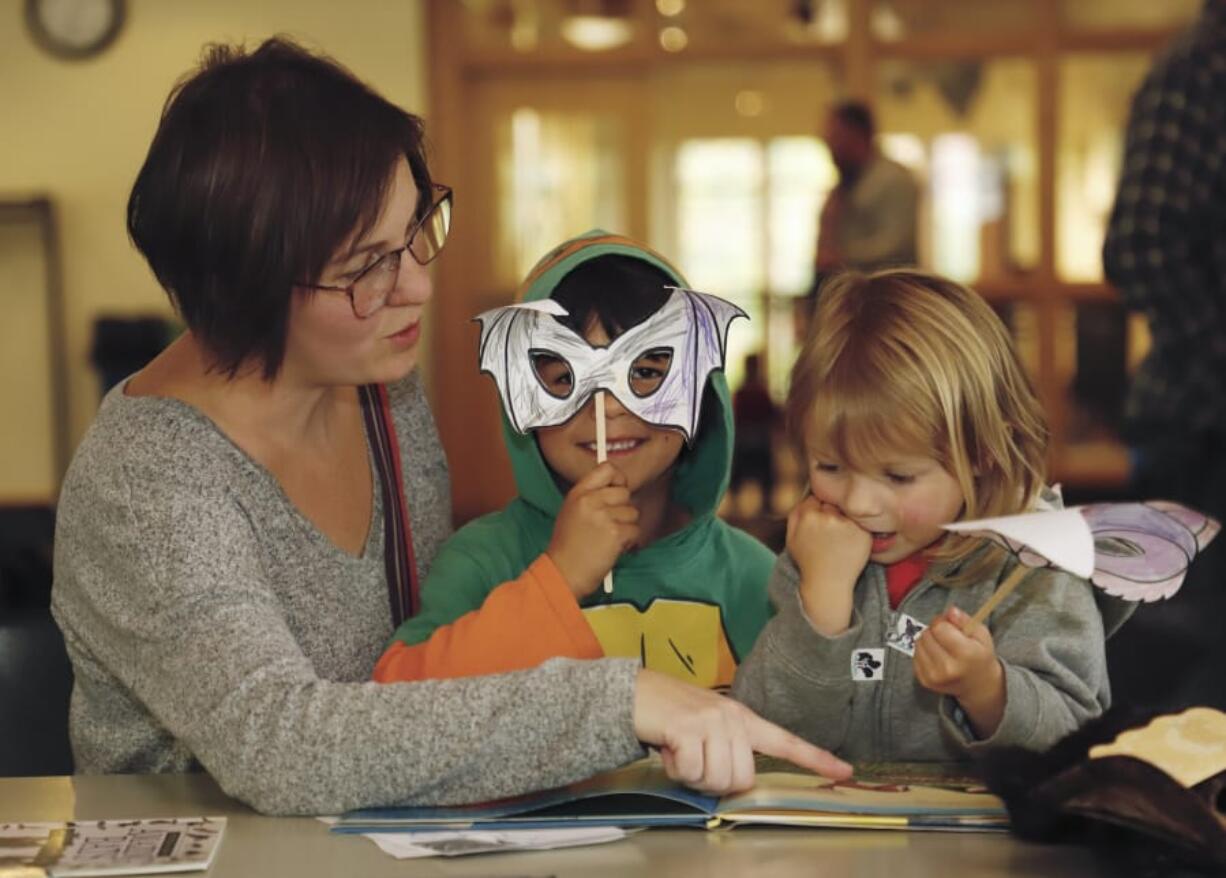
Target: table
<point>265,847</point>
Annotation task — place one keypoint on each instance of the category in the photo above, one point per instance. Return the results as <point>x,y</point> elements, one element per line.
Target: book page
<point>902,789</point>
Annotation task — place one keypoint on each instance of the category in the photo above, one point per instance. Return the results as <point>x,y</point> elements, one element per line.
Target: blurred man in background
<point>869,219</point>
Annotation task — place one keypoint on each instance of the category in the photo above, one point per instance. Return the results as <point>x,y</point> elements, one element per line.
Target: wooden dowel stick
<point>602,454</point>
<point>1006,588</point>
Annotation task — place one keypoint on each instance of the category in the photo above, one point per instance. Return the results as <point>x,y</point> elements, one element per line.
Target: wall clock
<point>74,29</point>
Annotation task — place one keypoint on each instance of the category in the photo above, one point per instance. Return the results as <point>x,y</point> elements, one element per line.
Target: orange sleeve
<point>522,623</point>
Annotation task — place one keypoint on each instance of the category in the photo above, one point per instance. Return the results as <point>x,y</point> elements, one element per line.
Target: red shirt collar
<point>904,575</point>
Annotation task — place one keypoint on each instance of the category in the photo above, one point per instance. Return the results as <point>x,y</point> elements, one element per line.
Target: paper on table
<point>405,846</point>
<point>110,847</point>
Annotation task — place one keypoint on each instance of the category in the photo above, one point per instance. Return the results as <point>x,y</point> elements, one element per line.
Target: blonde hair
<point>905,361</point>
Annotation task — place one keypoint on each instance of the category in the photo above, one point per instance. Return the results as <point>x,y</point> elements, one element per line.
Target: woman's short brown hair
<point>263,165</point>
<point>904,360</point>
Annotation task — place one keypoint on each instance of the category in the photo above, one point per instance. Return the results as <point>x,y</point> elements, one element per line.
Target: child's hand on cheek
<point>596,524</point>
<point>830,550</point>
<point>962,664</point>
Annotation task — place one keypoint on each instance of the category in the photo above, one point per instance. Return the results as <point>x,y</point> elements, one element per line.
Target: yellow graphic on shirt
<point>683,638</point>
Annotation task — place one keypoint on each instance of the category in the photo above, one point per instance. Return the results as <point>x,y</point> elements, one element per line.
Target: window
<point>746,226</point>
<point>560,174</point>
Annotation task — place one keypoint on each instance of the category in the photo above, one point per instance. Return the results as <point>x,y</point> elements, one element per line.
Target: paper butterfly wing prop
<point>1142,550</point>
<point>691,326</point>
<point>1060,537</point>
<point>1135,551</point>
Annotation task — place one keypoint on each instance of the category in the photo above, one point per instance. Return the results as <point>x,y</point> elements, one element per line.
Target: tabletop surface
<point>271,846</point>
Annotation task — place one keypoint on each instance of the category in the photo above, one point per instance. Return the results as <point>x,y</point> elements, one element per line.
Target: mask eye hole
<point>554,373</point>
<point>648,371</point>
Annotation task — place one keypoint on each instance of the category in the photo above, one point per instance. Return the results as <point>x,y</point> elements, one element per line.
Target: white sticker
<point>867,664</point>
<point>906,631</point>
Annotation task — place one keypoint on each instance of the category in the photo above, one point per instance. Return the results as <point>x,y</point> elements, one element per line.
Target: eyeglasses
<point>369,289</point>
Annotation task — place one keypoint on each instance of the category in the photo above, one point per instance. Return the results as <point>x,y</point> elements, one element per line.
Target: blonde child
<point>912,410</point>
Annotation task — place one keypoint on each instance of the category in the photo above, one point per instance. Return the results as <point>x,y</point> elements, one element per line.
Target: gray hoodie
<point>856,694</point>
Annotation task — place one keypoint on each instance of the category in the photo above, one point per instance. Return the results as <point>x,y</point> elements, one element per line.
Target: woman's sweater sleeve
<point>175,607</point>
<point>466,628</point>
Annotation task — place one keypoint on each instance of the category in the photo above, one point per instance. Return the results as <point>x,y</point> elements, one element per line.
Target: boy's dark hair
<point>857,115</point>
<point>263,165</point>
<point>619,291</point>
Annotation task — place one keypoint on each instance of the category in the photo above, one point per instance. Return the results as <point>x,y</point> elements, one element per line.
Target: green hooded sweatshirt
<point>690,604</point>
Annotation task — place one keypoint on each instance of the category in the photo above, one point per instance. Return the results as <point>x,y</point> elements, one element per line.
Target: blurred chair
<point>123,345</point>
<point>35,675</point>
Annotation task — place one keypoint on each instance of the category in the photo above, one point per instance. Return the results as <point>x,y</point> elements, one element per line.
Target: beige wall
<point>77,132</point>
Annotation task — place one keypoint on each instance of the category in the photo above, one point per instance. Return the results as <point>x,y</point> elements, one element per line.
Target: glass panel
<point>893,20</point>
<point>1094,97</point>
<point>1110,14</point>
<point>720,212</point>
<point>967,130</point>
<point>747,222</point>
<point>720,228</point>
<point>744,227</point>
<point>559,174</point>
<point>956,204</point>
<point>800,175</point>
<point>754,102</point>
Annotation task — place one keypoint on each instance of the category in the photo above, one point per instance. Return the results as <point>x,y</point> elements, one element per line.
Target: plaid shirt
<point>1166,244</point>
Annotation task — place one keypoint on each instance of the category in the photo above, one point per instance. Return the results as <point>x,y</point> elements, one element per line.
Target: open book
<point>885,796</point>
<point>110,847</point>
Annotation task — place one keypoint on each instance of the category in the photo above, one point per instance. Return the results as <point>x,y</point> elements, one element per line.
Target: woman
<point>220,560</point>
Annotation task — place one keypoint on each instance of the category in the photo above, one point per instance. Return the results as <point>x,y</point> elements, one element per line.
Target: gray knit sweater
<point>211,624</point>
<point>857,695</point>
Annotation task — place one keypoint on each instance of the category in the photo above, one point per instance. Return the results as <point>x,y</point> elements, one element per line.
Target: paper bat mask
<point>692,327</point>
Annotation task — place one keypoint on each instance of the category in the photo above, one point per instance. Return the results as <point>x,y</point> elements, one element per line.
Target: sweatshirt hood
<point>702,471</point>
